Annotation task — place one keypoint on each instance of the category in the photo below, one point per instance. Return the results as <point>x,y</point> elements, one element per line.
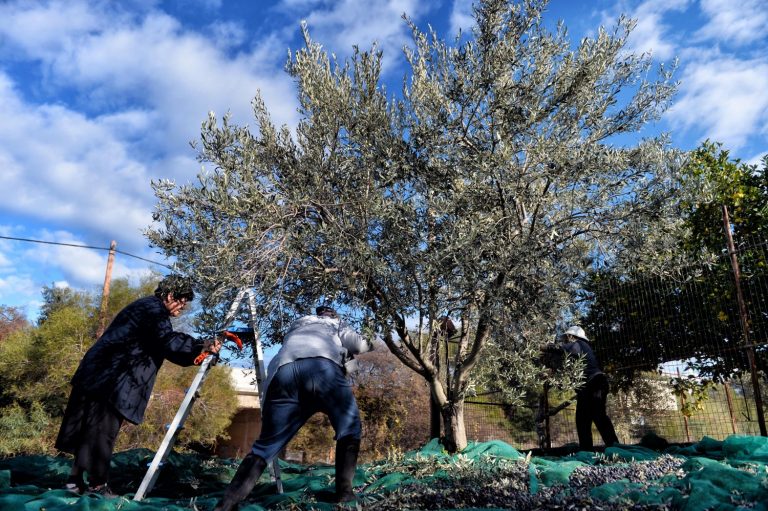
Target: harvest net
<point>711,474</point>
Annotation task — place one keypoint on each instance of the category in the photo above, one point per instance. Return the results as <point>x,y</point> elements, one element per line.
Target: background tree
<point>684,307</point>
<point>712,179</point>
<point>58,298</point>
<point>479,194</point>
<point>37,363</point>
<point>11,320</point>
<point>391,399</point>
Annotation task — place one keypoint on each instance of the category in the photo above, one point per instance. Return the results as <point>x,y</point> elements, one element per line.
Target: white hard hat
<point>577,331</point>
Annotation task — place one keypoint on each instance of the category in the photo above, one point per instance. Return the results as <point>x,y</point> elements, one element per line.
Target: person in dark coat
<point>114,380</point>
<point>592,395</point>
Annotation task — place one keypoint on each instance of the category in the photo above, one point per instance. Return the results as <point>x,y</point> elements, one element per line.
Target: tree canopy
<point>714,179</point>
<point>480,192</point>
<point>689,311</point>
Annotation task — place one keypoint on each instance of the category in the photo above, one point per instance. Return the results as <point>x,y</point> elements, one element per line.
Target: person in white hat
<point>590,397</point>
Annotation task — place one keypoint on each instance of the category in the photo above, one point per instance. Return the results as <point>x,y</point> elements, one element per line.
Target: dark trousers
<point>299,390</point>
<point>590,407</point>
<point>88,431</point>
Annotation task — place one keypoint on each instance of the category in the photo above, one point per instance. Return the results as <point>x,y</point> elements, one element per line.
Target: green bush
<point>25,431</point>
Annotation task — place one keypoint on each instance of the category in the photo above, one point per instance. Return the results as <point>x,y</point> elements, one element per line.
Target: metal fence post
<point>744,319</point>
<point>727,389</point>
<point>547,422</point>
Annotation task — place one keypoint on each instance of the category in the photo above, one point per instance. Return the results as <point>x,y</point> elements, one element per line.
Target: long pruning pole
<point>261,374</point>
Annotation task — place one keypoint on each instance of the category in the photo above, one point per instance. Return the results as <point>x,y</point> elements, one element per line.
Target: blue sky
<point>97,98</point>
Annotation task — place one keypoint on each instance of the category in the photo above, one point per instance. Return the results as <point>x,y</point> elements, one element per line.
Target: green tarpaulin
<point>711,474</point>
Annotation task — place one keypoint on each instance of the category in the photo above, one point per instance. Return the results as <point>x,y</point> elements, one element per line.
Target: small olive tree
<point>477,194</point>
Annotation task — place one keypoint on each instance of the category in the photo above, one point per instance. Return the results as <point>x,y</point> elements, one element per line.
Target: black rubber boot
<point>245,479</point>
<point>347,449</point>
<point>75,482</point>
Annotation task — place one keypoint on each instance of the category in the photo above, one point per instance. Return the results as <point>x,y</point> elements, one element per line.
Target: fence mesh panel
<point>676,350</point>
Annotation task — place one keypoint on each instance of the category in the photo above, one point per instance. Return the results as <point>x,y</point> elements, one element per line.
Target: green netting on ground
<point>711,474</point>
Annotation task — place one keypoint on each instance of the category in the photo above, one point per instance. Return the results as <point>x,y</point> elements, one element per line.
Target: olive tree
<point>477,193</point>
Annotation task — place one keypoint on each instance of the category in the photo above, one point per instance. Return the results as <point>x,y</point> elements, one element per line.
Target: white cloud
<point>72,170</point>
<point>17,285</point>
<point>142,86</point>
<point>722,94</point>
<point>724,99</point>
<point>178,74</point>
<point>227,34</point>
<point>462,17</point>
<point>740,22</point>
<point>111,60</point>
<point>649,36</point>
<point>78,267</point>
<point>46,30</point>
<point>652,34</point>
<point>123,88</point>
<point>340,25</point>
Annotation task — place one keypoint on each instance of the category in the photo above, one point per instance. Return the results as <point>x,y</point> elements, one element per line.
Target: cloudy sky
<point>97,98</point>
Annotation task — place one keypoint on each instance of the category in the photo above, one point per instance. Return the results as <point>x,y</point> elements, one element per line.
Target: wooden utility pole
<point>744,319</point>
<point>105,290</point>
<point>685,417</point>
<point>728,398</point>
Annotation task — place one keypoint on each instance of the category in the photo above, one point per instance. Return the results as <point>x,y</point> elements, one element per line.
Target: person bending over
<point>114,380</point>
<point>592,395</point>
<point>307,376</point>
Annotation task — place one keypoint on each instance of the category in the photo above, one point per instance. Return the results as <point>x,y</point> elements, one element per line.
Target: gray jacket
<point>315,336</point>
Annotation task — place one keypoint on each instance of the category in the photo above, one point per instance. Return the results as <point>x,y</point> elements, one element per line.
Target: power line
<point>85,246</point>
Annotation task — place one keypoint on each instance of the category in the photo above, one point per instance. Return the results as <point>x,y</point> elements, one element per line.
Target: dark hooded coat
<point>122,366</point>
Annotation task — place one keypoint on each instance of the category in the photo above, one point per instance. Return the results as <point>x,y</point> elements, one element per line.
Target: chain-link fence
<point>686,355</point>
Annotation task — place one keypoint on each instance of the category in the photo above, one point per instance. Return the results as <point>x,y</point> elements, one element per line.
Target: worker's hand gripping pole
<point>205,353</point>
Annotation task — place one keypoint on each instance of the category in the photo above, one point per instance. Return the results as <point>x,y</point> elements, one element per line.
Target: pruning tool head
<point>233,337</point>
<point>227,335</point>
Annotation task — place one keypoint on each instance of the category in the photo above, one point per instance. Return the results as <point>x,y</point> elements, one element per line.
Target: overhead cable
<point>85,246</point>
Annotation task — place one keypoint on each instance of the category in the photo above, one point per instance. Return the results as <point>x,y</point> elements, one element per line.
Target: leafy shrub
<point>23,431</point>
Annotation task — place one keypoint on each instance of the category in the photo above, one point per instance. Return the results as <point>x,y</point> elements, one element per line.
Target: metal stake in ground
<point>744,320</point>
